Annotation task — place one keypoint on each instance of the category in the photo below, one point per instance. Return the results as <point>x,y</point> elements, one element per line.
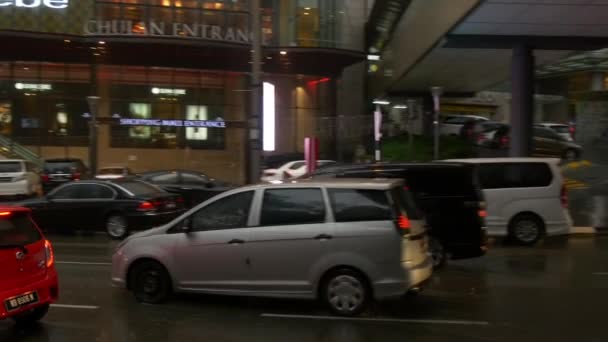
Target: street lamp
<point>93,106</point>
<point>436,92</point>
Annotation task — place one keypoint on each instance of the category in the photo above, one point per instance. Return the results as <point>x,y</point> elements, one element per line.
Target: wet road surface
<point>557,291</point>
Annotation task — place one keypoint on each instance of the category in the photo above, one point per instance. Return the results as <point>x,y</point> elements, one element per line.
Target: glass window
<point>297,165</point>
<point>192,178</point>
<point>308,22</point>
<point>8,167</point>
<point>226,213</point>
<point>514,175</point>
<point>292,206</point>
<point>351,205</point>
<point>71,191</point>
<point>165,178</point>
<point>561,129</point>
<point>137,188</point>
<point>18,228</point>
<point>196,113</point>
<point>544,133</point>
<point>95,191</point>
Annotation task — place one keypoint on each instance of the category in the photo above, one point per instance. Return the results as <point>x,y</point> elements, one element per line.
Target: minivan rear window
<point>7,167</point>
<point>352,205</point>
<point>17,228</point>
<point>514,175</point>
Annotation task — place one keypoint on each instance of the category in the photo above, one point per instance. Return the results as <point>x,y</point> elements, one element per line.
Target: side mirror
<point>186,225</point>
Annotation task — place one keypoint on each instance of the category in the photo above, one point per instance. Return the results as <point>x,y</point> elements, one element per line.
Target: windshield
<point>17,229</point>
<point>561,129</point>
<point>7,167</point>
<point>139,188</point>
<point>59,167</point>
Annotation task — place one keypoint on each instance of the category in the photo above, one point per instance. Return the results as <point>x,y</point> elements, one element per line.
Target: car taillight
<point>481,137</point>
<point>146,206</point>
<point>482,213</point>
<point>48,252</point>
<point>564,196</point>
<point>179,200</point>
<point>44,178</point>
<point>76,176</point>
<point>504,141</point>
<point>403,224</point>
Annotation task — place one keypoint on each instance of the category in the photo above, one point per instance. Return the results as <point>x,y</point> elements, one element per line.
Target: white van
<point>525,197</point>
<point>19,178</point>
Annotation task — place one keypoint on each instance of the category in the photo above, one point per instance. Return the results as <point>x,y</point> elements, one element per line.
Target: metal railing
<point>12,149</point>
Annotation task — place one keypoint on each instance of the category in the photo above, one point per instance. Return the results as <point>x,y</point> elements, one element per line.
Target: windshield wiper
<point>15,245</point>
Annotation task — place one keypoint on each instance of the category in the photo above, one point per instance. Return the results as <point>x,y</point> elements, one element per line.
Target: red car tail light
<point>44,178</point>
<point>146,206</point>
<point>5,213</point>
<point>482,213</point>
<point>504,141</point>
<point>403,224</point>
<point>50,256</point>
<point>564,196</point>
<point>76,176</point>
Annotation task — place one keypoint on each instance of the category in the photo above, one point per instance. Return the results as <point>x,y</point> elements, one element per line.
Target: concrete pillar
<point>522,101</point>
<point>597,81</point>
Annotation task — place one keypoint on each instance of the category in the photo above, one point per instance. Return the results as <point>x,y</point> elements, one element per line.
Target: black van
<point>447,193</point>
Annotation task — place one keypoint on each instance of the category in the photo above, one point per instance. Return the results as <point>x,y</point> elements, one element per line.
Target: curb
<point>577,164</point>
<point>582,230</point>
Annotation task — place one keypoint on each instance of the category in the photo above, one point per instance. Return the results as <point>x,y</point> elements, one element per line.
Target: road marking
<point>68,306</point>
<point>600,273</point>
<point>385,320</point>
<point>84,263</point>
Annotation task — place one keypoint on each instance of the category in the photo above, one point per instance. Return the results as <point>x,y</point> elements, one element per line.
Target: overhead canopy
<point>474,52</point>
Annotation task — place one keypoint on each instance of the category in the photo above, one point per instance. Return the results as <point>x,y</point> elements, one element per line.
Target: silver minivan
<point>342,241</point>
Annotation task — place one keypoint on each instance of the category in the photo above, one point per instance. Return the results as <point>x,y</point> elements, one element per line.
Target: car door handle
<point>236,242</point>
<point>323,237</point>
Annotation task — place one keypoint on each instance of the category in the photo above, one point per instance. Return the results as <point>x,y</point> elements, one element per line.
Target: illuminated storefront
<point>173,60</point>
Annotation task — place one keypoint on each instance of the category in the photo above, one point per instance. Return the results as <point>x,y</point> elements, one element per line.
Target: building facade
<point>165,62</point>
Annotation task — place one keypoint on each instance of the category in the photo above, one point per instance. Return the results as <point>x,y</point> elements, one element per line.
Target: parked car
<point>471,128</point>
<point>545,143</point>
<point>345,242</point>
<point>114,172</point>
<point>563,130</point>
<point>525,197</point>
<point>483,132</point>
<point>117,206</point>
<point>452,124</point>
<point>29,280</point>
<point>291,170</point>
<point>193,186</point>
<point>19,178</point>
<point>60,171</point>
<point>447,193</point>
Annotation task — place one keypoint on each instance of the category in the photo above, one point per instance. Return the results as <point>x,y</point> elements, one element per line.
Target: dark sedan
<point>117,207</point>
<point>195,187</point>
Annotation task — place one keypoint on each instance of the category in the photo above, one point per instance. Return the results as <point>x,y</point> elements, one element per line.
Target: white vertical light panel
<point>268,117</point>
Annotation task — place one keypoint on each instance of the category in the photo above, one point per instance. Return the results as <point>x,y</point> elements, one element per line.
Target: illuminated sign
<point>33,86</point>
<point>165,29</point>
<point>167,91</point>
<point>173,123</point>
<point>58,4</point>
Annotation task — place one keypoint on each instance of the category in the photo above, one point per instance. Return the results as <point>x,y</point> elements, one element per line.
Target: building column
<point>597,81</point>
<point>522,101</point>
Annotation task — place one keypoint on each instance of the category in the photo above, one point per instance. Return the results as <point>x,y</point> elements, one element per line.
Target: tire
<point>571,155</point>
<point>438,253</point>
<point>150,282</point>
<point>526,229</point>
<point>346,292</point>
<point>117,226</point>
<point>32,316</point>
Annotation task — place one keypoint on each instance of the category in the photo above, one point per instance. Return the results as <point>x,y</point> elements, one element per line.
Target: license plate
<point>17,302</point>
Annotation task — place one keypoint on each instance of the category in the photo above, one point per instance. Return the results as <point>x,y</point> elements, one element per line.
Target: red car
<point>28,279</point>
